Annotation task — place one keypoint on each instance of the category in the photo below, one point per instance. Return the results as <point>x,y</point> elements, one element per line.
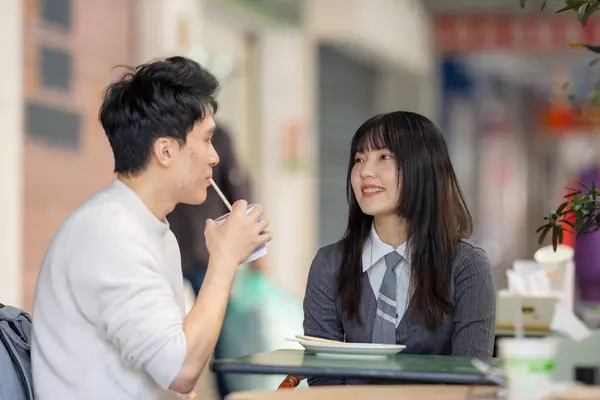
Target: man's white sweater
<point>109,307</point>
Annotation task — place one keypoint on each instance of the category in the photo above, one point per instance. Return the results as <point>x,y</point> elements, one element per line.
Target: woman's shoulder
<point>328,258</point>
<point>325,266</point>
<point>330,254</point>
<point>472,257</point>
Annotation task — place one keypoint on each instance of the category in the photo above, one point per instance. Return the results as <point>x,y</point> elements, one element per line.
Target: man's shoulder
<point>100,212</point>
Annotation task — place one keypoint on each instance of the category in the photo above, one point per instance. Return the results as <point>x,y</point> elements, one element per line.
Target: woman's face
<point>375,183</point>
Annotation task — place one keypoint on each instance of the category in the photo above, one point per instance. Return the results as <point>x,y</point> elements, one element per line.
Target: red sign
<point>526,32</point>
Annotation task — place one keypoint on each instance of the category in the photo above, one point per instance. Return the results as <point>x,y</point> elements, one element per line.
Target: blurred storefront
<point>304,75</point>
<point>298,78</point>
<point>510,128</point>
<point>366,64</point>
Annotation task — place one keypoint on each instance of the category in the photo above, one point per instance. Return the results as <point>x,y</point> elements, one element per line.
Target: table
<point>371,392</point>
<point>402,368</point>
<point>405,392</point>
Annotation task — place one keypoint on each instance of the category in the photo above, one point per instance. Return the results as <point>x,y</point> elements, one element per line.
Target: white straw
<point>519,330</point>
<point>221,195</point>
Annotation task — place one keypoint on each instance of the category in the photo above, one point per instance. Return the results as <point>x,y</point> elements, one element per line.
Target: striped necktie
<point>384,329</point>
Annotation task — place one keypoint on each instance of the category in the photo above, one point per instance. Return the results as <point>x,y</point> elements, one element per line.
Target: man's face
<point>193,163</point>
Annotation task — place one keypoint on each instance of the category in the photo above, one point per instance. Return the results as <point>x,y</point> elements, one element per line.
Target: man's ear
<point>163,151</point>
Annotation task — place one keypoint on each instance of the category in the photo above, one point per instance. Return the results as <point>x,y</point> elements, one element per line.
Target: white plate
<point>352,350</point>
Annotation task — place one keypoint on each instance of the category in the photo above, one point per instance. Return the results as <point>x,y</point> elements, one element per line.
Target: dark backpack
<point>15,354</point>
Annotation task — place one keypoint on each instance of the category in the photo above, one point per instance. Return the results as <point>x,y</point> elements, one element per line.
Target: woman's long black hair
<point>430,200</point>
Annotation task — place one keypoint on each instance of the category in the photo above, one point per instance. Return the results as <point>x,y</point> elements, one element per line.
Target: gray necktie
<point>384,329</point>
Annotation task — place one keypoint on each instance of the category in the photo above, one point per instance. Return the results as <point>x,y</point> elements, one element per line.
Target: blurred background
<point>298,77</point>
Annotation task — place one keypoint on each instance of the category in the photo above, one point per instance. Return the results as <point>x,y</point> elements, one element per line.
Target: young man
<point>108,317</point>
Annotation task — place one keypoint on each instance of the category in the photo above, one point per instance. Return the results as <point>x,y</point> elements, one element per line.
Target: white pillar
<point>11,115</point>
<point>286,95</point>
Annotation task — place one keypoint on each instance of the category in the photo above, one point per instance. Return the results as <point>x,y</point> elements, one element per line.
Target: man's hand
<point>239,235</point>
<point>229,244</point>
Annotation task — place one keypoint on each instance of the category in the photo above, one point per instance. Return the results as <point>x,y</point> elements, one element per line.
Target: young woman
<point>402,273</point>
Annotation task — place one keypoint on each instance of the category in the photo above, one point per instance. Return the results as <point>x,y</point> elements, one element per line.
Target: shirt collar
<point>375,249</point>
<point>137,207</point>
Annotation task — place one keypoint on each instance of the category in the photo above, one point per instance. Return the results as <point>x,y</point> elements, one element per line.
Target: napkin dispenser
<point>536,311</point>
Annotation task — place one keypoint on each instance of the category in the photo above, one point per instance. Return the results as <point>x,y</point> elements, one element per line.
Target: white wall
<point>11,115</point>
<point>224,43</point>
<point>397,31</point>
<point>392,35</point>
<point>166,27</point>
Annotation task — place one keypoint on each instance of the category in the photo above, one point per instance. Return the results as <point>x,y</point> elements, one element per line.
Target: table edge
<point>423,377</point>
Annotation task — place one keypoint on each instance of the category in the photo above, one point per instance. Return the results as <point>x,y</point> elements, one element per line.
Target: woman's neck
<point>392,230</point>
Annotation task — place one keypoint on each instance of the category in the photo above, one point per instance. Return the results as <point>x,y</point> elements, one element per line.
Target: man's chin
<point>195,200</point>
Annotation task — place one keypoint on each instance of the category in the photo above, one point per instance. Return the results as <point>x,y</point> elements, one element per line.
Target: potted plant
<point>580,212</point>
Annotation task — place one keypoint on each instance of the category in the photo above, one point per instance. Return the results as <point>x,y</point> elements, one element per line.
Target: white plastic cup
<point>528,366</point>
<point>555,263</point>
<point>560,268</point>
<point>260,251</point>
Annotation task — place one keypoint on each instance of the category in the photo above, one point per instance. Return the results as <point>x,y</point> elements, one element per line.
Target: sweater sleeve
<point>320,310</point>
<point>475,305</point>
<point>115,282</point>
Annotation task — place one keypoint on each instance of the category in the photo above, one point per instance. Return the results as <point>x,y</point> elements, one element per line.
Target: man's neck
<point>155,198</point>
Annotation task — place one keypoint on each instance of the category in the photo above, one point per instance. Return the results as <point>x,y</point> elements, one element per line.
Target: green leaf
<point>560,234</point>
<point>585,227</point>
<point>561,208</point>
<point>572,98</point>
<point>522,3</point>
<point>554,238</point>
<point>567,222</point>
<point>595,100</point>
<point>582,14</point>
<point>544,233</point>
<point>583,185</point>
<point>572,5</point>
<point>572,194</point>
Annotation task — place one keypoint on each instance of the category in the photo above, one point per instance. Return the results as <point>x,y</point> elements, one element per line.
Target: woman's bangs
<point>376,137</point>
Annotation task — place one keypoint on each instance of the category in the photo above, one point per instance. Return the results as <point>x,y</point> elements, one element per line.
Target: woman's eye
<point>357,160</point>
<point>387,157</point>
